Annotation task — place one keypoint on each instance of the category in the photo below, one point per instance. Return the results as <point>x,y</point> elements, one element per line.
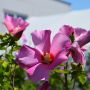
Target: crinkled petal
<point>67,30</point>
<point>83,49</point>
<point>38,72</point>
<point>27,57</point>
<point>41,40</point>
<point>79,31</point>
<point>60,42</point>
<point>77,54</point>
<point>84,39</point>
<point>21,23</point>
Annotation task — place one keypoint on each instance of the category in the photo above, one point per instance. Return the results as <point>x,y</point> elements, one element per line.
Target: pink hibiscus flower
<point>75,48</point>
<point>39,61</point>
<point>15,26</point>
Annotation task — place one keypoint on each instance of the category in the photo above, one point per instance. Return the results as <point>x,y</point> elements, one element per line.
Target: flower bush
<point>59,64</point>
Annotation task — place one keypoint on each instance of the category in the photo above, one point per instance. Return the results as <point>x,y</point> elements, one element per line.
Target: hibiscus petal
<point>38,72</point>
<point>84,39</point>
<point>28,57</point>
<point>8,22</point>
<point>21,23</point>
<point>59,59</point>
<point>60,42</point>
<point>67,30</point>
<point>83,49</point>
<point>77,54</point>
<point>79,31</point>
<point>41,39</point>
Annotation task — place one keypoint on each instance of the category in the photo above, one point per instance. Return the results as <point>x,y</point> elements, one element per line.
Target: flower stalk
<point>73,88</point>
<point>66,77</point>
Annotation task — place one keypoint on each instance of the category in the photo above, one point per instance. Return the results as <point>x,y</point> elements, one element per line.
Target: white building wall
<point>79,19</point>
<point>32,8</point>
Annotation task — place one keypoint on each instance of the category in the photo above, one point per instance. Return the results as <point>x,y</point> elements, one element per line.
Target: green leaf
<point>2,46</point>
<point>15,88</point>
<point>1,61</point>
<point>6,38</point>
<point>16,48</point>
<point>82,79</point>
<point>5,64</point>
<point>62,71</point>
<point>1,71</point>
<point>9,57</point>
<point>1,36</point>
<point>62,65</point>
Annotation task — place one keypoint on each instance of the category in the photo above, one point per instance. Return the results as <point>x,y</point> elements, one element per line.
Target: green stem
<point>73,88</point>
<point>13,74</point>
<point>66,80</point>
<point>13,84</point>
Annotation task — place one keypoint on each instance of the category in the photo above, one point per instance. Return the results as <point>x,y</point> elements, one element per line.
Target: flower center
<point>47,58</point>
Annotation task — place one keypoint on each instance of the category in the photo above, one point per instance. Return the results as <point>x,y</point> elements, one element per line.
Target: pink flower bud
<point>15,26</point>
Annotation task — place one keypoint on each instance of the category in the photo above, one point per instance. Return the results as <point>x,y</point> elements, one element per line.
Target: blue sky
<point>79,4</point>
